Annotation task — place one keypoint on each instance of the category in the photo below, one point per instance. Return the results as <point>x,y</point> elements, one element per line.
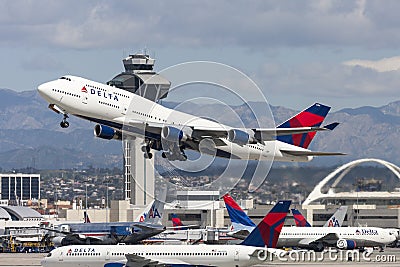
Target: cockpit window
<point>48,255</point>
<point>65,78</point>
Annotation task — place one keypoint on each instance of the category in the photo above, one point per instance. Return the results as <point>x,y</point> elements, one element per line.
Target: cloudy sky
<point>340,53</point>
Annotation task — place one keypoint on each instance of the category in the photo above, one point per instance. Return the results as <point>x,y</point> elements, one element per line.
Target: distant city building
<point>18,188</point>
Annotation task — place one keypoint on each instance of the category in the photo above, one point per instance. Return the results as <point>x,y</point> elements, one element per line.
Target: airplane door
<point>107,255</point>
<point>123,110</point>
<point>236,255</point>
<point>84,95</point>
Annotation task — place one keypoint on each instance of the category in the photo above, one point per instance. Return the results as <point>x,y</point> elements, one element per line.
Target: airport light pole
<point>107,181</point>
<point>85,201</point>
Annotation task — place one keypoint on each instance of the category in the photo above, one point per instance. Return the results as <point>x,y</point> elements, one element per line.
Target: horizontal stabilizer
<point>311,153</point>
<point>331,126</point>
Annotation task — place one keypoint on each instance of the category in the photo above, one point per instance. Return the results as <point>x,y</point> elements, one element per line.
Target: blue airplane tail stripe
<point>266,233</point>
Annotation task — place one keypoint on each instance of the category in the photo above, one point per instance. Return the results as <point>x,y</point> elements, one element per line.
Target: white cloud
<point>382,65</point>
<point>105,24</point>
<point>328,80</point>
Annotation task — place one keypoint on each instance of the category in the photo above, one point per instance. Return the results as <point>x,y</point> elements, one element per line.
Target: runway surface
<point>391,257</point>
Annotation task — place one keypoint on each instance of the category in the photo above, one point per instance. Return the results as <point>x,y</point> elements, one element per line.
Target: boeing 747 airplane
<point>255,249</point>
<point>172,132</point>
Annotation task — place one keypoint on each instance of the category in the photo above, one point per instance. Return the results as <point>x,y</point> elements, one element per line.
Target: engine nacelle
<point>173,134</point>
<point>57,241</point>
<point>240,137</point>
<point>346,244</point>
<point>106,132</point>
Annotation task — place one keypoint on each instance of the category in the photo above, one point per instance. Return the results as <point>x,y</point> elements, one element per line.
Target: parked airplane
<point>315,238</point>
<point>336,220</point>
<point>253,250</point>
<point>172,132</point>
<point>146,225</point>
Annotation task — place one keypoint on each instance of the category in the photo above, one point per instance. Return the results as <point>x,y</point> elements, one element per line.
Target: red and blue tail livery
<point>176,222</point>
<point>267,232</point>
<point>310,117</point>
<point>238,217</point>
<point>299,219</point>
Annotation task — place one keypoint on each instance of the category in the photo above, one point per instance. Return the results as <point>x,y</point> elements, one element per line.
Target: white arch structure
<point>317,194</point>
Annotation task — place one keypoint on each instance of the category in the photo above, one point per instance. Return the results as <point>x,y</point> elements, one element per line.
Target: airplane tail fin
<point>154,215</point>
<point>86,217</point>
<point>310,117</point>
<point>299,219</point>
<point>176,222</point>
<point>142,216</point>
<point>239,219</point>
<point>337,218</point>
<point>267,231</point>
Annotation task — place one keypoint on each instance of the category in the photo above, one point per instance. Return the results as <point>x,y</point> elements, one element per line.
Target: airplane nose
<point>41,88</point>
<point>44,90</point>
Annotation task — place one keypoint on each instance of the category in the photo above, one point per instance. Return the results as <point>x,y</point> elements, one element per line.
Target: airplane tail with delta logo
<point>336,220</point>
<point>299,219</point>
<point>267,232</point>
<point>241,223</point>
<point>310,117</point>
<point>177,223</point>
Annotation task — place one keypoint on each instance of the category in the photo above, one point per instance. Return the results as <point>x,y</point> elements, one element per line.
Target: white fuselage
<point>115,107</point>
<point>363,236</point>
<point>204,255</point>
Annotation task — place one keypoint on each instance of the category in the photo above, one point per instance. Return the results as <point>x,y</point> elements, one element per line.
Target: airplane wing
<point>93,239</point>
<point>330,239</point>
<point>240,234</point>
<point>184,227</point>
<point>140,261</point>
<point>199,133</point>
<point>310,153</point>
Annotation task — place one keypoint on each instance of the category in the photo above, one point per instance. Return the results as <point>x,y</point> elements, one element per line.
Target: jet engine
<point>106,132</point>
<point>173,134</point>
<point>241,137</point>
<point>346,244</point>
<point>316,246</point>
<point>58,241</point>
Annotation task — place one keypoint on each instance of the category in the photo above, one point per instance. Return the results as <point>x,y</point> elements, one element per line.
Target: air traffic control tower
<point>140,78</point>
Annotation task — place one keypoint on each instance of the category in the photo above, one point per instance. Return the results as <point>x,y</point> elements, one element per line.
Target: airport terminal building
<point>18,188</point>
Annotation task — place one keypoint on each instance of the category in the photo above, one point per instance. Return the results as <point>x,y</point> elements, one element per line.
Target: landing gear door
<point>84,95</point>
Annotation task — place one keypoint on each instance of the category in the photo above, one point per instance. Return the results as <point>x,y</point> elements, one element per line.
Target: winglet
<point>331,126</point>
<point>267,231</point>
<point>299,219</point>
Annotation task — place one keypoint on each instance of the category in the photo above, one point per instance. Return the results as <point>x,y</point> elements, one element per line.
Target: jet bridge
<point>140,78</point>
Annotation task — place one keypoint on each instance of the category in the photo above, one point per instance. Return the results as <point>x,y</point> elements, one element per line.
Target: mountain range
<point>31,135</point>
